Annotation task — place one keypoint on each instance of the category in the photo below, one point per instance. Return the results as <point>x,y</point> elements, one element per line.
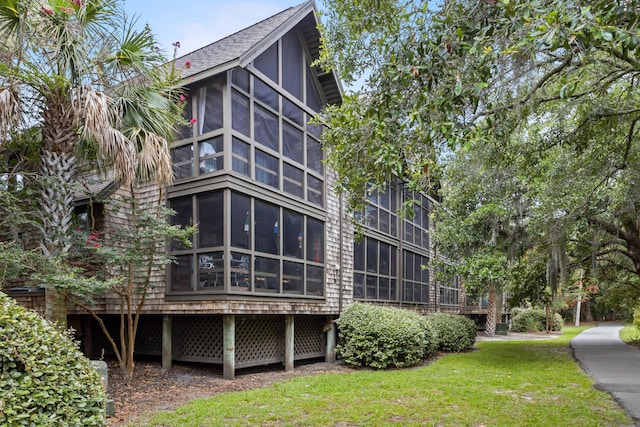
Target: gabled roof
<point>242,47</point>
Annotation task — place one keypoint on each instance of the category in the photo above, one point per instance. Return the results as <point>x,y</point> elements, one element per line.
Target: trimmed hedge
<point>534,320</point>
<point>383,337</point>
<point>454,333</point>
<point>44,379</point>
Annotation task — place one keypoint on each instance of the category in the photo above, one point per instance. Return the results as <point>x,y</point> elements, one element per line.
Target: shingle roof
<point>235,49</point>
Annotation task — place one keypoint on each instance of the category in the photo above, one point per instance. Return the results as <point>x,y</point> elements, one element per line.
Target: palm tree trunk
<point>58,169</point>
<point>490,327</point>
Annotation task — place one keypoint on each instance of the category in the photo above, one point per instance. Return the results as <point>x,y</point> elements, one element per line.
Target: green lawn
<point>631,335</point>
<point>503,383</point>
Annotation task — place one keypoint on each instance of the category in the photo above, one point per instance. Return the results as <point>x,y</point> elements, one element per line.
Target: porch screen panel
<point>210,219</point>
<point>292,64</point>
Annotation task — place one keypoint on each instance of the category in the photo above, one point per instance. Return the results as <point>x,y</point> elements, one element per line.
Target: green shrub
<point>44,379</point>
<point>382,337</point>
<point>535,320</point>
<point>636,317</point>
<point>453,332</point>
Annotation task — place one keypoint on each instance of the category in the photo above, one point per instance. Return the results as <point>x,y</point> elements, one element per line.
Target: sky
<point>197,23</point>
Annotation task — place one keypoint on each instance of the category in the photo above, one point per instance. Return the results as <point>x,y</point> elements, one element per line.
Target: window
<point>272,250</point>
<point>313,100</point>
<point>267,62</point>
<point>210,224</point>
<point>292,234</point>
<point>210,271</point>
<point>315,240</point>
<point>240,221</point>
<point>210,155</point>
<point>240,112</point>
<point>293,273</point>
<point>315,190</point>
<point>267,227</point>
<point>181,272</point>
<point>292,61</point>
<point>314,156</point>
<point>210,108</point>
<point>275,130</point>
<point>449,288</point>
<point>292,143</point>
<point>381,209</point>
<point>415,278</point>
<point>416,226</point>
<point>266,94</point>
<point>266,129</point>
<point>374,270</point>
<point>292,112</point>
<point>240,156</point>
<point>293,178</point>
<point>182,160</point>
<point>266,169</point>
<point>267,275</point>
<point>240,78</point>
<point>183,207</point>
<point>186,131</point>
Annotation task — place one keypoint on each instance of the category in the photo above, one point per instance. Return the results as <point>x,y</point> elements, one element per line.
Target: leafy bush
<point>535,320</point>
<point>453,332</point>
<point>44,379</point>
<point>636,317</point>
<point>382,337</point>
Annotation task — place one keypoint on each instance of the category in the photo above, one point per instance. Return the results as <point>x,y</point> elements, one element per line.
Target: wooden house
<point>274,261</point>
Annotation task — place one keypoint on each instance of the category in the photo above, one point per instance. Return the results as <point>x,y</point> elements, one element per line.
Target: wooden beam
<point>167,340</point>
<point>289,342</point>
<point>229,346</point>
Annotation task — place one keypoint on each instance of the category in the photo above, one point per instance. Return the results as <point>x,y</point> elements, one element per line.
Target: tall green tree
<point>94,87</point>
<point>549,86</point>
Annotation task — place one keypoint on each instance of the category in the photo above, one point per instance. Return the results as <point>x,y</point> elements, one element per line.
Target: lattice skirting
<point>199,338</point>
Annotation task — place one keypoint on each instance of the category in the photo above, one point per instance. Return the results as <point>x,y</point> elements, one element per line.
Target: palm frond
<point>10,111</point>
<point>10,17</point>
<point>154,159</point>
<point>100,123</point>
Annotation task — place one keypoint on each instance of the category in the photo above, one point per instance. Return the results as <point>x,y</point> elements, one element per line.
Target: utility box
<point>103,371</point>
<point>502,328</point>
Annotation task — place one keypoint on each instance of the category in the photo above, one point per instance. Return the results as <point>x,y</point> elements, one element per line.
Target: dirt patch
<point>153,390</point>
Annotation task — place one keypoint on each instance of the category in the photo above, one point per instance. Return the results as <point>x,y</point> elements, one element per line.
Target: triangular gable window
<point>292,62</point>
<point>267,62</point>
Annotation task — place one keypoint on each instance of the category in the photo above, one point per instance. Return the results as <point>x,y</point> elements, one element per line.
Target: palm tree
<point>96,89</point>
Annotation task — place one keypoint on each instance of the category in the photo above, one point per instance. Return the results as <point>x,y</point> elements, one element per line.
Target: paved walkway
<point>613,364</point>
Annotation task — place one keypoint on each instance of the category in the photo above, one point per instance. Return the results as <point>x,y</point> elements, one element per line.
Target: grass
<point>503,383</point>
<point>631,335</point>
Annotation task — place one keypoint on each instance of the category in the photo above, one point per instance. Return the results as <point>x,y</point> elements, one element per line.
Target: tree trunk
<point>492,306</point>
<point>588,315</point>
<point>58,169</point>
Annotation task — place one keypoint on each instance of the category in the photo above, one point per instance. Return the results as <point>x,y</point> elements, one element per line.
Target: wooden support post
<point>229,346</point>
<point>167,340</point>
<point>289,353</point>
<point>330,348</point>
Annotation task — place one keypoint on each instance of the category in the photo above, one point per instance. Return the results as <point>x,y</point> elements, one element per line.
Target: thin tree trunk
<point>490,327</point>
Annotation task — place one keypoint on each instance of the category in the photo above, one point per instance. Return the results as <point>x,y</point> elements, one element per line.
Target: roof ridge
<point>299,6</point>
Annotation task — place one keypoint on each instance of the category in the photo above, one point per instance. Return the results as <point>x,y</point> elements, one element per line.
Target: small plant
<point>44,379</point>
<point>383,337</point>
<point>535,320</point>
<point>454,333</point>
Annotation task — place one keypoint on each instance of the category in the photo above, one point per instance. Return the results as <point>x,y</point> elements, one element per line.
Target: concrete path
<point>613,364</point>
